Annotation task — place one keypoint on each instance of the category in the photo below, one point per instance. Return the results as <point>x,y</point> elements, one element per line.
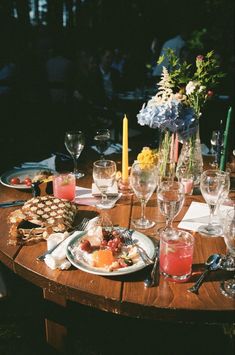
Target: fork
<point>127,234</point>
<point>80,227</point>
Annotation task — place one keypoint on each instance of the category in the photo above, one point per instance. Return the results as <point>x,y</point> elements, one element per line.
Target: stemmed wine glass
<point>102,141</point>
<point>104,173</point>
<point>228,286</point>
<point>214,147</point>
<point>170,196</point>
<point>74,143</point>
<point>143,180</point>
<point>214,185</point>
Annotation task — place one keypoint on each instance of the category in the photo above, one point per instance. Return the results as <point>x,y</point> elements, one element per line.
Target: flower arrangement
<point>177,106</point>
<point>148,157</point>
<point>181,95</point>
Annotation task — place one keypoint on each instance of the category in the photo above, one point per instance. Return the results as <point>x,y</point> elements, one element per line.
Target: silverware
<point>127,234</point>
<point>212,264</point>
<point>12,203</point>
<point>80,227</point>
<point>153,278</point>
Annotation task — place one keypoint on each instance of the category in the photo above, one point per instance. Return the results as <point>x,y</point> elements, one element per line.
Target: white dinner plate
<point>145,242</point>
<point>21,173</point>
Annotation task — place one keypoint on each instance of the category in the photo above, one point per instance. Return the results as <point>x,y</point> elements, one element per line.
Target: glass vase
<point>190,160</point>
<point>166,164</point>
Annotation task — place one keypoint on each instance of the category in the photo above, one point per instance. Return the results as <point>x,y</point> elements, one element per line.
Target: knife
<point>12,203</point>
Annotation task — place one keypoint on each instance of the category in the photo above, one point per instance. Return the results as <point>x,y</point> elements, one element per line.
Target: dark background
<point>30,128</point>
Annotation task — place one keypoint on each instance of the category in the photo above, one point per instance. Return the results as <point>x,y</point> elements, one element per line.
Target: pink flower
<point>200,58</point>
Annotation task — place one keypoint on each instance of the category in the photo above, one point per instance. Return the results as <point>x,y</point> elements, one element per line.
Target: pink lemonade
<point>64,186</point>
<point>176,257</point>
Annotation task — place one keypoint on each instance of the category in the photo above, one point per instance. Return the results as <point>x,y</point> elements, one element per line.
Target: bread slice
<point>39,217</point>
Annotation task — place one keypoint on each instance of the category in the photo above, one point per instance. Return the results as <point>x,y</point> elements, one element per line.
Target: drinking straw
<point>224,155</point>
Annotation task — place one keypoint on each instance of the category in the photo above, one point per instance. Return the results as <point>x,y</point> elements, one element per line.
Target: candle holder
<point>124,187</point>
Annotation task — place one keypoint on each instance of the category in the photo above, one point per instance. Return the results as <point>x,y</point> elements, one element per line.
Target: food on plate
<point>111,253</point>
<point>15,181</point>
<point>41,175</point>
<point>39,217</point>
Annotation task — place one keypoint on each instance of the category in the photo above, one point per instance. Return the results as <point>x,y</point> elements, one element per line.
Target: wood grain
<point>124,295</point>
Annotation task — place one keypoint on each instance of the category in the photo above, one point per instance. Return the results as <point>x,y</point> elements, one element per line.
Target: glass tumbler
<point>176,254</point>
<point>64,186</point>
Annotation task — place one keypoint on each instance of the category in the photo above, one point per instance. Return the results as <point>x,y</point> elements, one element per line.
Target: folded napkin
<point>198,215</point>
<point>57,259</point>
<point>85,196</point>
<point>112,191</point>
<point>48,163</point>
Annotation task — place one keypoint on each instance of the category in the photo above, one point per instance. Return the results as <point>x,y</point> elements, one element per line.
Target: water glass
<point>228,286</point>
<point>64,186</point>
<point>143,180</point>
<point>214,185</point>
<point>176,254</point>
<point>74,142</point>
<point>102,141</point>
<point>104,174</point>
<point>170,196</point>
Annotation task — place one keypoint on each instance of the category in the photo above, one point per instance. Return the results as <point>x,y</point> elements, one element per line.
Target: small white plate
<point>21,173</point>
<point>145,242</point>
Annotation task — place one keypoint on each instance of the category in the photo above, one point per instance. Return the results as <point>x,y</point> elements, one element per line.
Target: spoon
<point>212,263</point>
<point>151,278</point>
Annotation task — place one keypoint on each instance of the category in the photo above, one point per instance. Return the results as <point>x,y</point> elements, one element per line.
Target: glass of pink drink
<point>64,186</point>
<point>176,254</point>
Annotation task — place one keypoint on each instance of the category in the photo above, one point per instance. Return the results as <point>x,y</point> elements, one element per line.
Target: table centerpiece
<point>176,109</point>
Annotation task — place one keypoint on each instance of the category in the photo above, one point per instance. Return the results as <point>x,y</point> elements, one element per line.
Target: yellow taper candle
<point>125,149</point>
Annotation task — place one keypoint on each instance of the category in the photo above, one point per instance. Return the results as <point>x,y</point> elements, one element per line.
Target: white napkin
<point>84,196</point>
<point>112,191</point>
<point>57,259</point>
<point>196,216</point>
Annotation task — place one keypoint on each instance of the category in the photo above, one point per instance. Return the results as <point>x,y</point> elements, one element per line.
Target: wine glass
<point>228,286</point>
<point>214,143</point>
<point>104,173</point>
<point>170,196</point>
<point>74,143</point>
<point>102,141</point>
<point>143,180</point>
<point>214,185</point>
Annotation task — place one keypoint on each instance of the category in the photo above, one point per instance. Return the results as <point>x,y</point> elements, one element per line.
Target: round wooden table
<point>124,295</point>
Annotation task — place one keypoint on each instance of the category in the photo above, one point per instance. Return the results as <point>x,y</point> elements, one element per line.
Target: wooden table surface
<point>125,295</point>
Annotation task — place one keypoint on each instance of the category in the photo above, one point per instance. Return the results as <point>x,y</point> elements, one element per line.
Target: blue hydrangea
<point>172,115</point>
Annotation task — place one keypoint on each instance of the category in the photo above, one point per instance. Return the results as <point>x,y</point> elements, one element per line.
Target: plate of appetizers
<point>107,253</point>
<point>22,178</point>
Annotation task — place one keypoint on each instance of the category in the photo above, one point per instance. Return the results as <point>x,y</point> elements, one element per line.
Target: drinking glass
<point>104,173</point>
<point>176,254</point>
<point>170,196</point>
<point>214,185</point>
<point>74,143</point>
<point>228,286</point>
<point>102,141</point>
<point>64,186</point>
<point>143,180</point>
<point>214,143</point>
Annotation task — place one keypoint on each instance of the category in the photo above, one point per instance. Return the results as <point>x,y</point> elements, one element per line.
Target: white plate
<point>142,240</point>
<point>21,173</point>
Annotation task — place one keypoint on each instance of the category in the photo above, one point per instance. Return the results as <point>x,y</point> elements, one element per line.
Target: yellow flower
<point>147,157</point>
